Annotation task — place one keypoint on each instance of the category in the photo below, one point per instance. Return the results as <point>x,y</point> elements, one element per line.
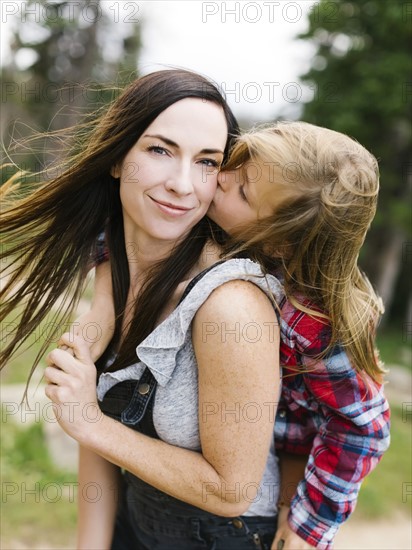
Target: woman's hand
<point>96,328</point>
<point>71,386</point>
<point>291,541</point>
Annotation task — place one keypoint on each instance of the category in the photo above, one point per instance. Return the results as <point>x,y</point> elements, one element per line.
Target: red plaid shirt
<point>331,412</point>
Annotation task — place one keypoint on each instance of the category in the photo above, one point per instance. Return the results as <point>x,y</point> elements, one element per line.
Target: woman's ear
<point>115,171</point>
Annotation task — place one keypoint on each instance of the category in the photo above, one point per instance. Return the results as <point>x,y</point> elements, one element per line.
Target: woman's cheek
<point>206,193</point>
<point>212,187</point>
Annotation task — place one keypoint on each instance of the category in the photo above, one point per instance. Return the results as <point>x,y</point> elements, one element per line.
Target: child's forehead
<point>261,165</point>
<point>261,174</point>
<point>252,159</point>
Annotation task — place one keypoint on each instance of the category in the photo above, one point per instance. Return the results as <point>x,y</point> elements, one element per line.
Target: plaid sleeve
<point>295,427</point>
<point>297,420</point>
<point>352,436</point>
<point>338,416</point>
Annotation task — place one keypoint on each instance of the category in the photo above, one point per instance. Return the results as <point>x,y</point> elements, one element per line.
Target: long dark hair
<point>50,233</point>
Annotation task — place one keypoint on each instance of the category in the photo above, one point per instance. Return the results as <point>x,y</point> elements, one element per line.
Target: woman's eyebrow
<point>173,144</point>
<point>163,138</point>
<point>212,151</point>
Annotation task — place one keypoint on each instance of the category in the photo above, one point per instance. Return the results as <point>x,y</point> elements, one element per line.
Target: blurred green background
<point>360,76</point>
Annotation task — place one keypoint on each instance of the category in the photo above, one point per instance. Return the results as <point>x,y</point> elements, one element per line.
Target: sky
<point>248,48</point>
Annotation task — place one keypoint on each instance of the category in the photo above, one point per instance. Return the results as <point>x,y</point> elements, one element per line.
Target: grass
<point>395,348</point>
<point>387,488</point>
<point>38,499</point>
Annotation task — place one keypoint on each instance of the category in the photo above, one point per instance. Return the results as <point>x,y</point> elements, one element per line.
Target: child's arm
<point>334,414</point>
<point>96,326</point>
<point>352,418</point>
<point>292,471</point>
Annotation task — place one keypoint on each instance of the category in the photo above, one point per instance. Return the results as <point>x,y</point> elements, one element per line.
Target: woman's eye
<point>157,149</point>
<point>210,163</point>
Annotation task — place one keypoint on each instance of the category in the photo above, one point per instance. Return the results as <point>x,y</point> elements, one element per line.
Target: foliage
<point>394,348</point>
<point>62,68</point>
<point>361,74</point>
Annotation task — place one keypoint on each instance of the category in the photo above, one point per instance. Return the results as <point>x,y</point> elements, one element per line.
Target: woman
<point>301,198</point>
<point>195,459</point>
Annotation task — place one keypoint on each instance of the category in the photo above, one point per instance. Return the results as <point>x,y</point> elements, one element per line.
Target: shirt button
<point>143,389</point>
<point>282,413</point>
<point>237,523</point>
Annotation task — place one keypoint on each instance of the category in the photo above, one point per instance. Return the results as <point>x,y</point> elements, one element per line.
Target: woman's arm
<point>98,495</point>
<point>238,382</point>
<point>96,327</point>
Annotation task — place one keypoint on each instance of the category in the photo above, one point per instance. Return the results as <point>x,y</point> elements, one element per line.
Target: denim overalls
<point>149,519</point>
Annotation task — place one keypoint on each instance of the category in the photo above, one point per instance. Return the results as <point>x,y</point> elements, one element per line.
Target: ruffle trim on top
<point>158,351</point>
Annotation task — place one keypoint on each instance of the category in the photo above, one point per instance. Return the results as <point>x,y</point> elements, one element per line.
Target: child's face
<point>245,195</point>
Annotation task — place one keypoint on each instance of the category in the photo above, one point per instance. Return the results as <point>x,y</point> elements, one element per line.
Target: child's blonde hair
<point>317,232</point>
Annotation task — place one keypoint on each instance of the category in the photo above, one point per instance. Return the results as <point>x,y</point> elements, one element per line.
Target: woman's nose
<point>181,182</point>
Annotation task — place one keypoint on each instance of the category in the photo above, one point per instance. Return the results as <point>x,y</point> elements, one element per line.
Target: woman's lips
<point>171,209</point>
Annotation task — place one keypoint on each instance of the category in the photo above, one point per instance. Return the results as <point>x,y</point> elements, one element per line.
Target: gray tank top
<point>168,353</point>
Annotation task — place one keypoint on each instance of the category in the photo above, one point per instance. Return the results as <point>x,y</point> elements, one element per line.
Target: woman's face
<point>245,195</point>
<point>169,177</point>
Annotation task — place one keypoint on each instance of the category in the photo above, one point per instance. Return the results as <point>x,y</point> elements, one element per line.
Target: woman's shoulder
<point>230,277</point>
<point>235,271</point>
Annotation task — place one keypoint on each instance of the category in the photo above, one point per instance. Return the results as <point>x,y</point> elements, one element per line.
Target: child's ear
<point>115,171</point>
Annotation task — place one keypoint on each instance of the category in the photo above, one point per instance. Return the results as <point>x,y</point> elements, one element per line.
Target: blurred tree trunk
<point>72,66</point>
<point>76,96</point>
<point>389,266</point>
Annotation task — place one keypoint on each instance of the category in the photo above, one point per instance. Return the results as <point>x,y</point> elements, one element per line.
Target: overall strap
<point>196,279</point>
<point>137,411</point>
<point>146,424</point>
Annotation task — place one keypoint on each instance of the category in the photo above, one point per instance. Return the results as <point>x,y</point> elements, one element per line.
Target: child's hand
<point>291,541</point>
<point>96,328</point>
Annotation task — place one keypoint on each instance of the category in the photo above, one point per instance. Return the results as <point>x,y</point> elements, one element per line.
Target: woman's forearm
<point>98,495</point>
<point>230,374</point>
<point>179,472</point>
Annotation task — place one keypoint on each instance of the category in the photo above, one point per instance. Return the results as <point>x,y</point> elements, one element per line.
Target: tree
<point>361,74</point>
<point>62,67</point>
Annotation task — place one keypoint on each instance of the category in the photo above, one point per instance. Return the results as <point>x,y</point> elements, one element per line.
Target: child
<point>301,198</point>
